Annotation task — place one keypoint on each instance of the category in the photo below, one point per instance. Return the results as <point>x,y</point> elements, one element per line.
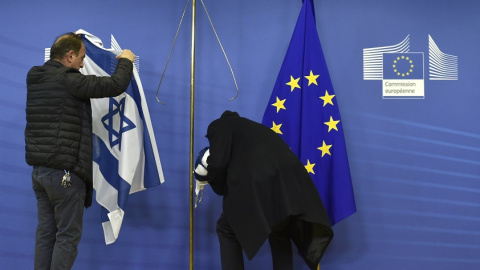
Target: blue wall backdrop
<point>415,162</point>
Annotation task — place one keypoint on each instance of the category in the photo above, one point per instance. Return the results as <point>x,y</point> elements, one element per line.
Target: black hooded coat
<point>264,183</point>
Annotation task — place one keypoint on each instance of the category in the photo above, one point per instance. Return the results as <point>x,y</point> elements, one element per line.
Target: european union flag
<point>125,154</point>
<point>403,66</point>
<point>304,111</point>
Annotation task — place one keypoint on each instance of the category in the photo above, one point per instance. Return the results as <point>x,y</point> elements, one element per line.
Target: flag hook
<point>223,50</point>
<point>170,54</point>
<point>219,42</point>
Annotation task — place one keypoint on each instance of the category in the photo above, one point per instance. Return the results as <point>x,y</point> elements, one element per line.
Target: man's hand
<point>127,54</point>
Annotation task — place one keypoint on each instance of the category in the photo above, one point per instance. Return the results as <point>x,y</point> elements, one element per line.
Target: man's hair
<point>65,43</point>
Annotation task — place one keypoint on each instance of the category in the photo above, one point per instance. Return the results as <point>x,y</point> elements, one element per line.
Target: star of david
<point>125,124</point>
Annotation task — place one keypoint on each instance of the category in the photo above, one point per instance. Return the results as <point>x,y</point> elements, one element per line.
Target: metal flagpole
<point>192,101</point>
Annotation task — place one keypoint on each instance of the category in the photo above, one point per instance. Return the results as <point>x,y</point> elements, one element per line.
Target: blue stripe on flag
<point>104,59</point>
<point>108,166</point>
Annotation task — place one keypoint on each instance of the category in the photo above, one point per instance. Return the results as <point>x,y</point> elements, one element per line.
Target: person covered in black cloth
<point>267,193</point>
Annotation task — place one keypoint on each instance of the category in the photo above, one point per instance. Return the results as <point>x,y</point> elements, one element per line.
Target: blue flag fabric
<point>125,154</point>
<point>304,111</point>
<point>403,66</point>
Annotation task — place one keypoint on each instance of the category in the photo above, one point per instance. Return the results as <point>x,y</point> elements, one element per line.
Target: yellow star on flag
<point>276,128</point>
<point>325,149</point>
<point>312,78</point>
<point>293,83</point>
<point>309,167</point>
<point>327,99</point>
<point>332,124</point>
<point>279,104</point>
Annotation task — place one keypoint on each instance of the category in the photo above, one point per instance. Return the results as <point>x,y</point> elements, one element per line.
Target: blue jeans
<point>60,218</point>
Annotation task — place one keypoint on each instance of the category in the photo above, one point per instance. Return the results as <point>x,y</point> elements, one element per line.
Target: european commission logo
<point>402,71</point>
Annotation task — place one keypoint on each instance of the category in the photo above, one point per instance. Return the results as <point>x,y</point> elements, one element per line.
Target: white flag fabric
<point>125,154</point>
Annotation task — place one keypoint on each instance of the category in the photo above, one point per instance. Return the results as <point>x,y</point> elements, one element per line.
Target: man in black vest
<point>58,144</point>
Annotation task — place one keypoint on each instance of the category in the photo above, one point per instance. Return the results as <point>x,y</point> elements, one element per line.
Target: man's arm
<point>92,86</point>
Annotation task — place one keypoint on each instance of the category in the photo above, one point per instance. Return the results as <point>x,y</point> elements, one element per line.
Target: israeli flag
<point>125,155</point>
